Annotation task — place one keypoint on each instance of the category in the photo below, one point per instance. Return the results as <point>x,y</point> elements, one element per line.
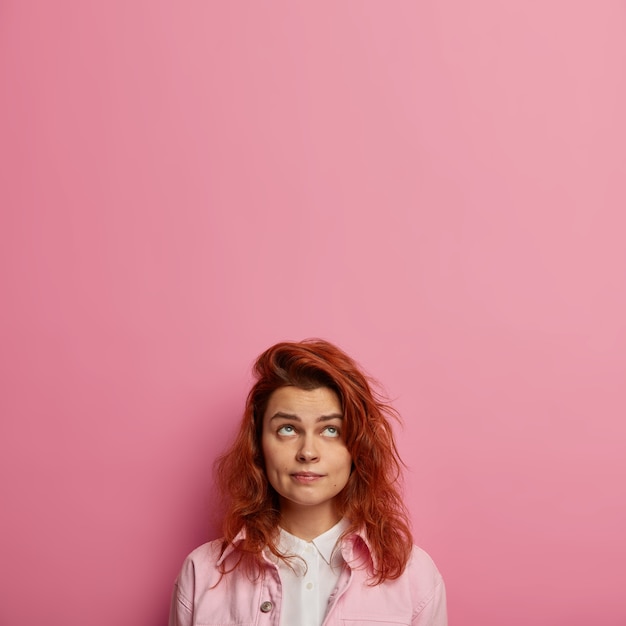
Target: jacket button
<point>266,607</point>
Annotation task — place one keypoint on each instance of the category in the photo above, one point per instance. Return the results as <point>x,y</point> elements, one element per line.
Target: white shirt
<point>307,587</point>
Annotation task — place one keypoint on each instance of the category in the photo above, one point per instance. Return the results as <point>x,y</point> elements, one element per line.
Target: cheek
<point>344,465</point>
<point>272,455</point>
<point>266,449</point>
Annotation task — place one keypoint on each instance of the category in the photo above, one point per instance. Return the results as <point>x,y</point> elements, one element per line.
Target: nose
<point>308,453</point>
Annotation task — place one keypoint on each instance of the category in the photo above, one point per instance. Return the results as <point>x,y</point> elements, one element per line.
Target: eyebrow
<point>295,418</point>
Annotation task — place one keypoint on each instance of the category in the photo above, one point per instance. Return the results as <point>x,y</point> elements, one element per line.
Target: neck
<point>305,522</point>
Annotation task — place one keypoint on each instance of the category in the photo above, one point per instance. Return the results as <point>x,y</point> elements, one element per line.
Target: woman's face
<point>306,458</point>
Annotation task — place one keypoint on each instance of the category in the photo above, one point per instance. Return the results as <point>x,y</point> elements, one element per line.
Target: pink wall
<point>438,186</point>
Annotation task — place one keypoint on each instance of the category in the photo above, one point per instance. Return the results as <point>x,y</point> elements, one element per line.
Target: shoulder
<point>420,572</point>
<point>209,552</point>
<point>357,552</point>
<point>417,596</point>
<point>420,564</point>
<point>201,567</point>
<point>427,586</point>
<point>200,572</point>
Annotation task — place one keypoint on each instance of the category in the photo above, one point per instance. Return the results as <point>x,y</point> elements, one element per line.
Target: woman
<point>315,531</point>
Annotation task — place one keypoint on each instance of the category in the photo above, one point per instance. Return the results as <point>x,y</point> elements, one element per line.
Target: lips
<point>306,477</point>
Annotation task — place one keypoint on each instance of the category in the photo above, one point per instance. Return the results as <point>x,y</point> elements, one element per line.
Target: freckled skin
<point>306,459</point>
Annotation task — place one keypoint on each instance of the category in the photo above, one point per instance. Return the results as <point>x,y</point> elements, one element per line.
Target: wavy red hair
<point>370,500</point>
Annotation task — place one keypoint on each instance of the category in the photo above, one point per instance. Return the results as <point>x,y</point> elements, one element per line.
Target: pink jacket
<point>417,598</point>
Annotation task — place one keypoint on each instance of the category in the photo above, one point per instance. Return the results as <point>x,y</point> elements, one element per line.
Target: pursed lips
<point>306,476</point>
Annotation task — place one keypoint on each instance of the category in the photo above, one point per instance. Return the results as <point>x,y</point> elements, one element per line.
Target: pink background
<point>437,186</point>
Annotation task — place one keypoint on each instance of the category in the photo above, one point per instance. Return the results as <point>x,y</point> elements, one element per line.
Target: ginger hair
<point>370,500</point>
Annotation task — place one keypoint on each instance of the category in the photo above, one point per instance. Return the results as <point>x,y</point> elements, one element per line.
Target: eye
<point>332,431</point>
<point>286,430</point>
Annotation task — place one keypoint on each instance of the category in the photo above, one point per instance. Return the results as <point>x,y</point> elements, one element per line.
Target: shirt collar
<point>228,548</point>
<point>325,543</point>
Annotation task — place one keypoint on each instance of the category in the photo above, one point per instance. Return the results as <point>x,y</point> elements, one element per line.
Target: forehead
<point>303,403</point>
